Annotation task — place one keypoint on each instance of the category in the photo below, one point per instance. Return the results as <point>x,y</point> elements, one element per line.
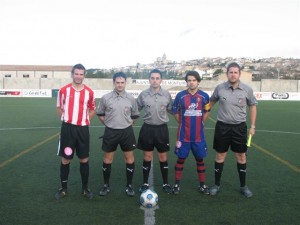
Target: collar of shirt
<point>240,86</point>
<point>187,91</point>
<point>117,94</point>
<point>152,92</point>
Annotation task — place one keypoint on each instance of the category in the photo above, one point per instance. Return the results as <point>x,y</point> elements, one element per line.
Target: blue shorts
<point>199,149</point>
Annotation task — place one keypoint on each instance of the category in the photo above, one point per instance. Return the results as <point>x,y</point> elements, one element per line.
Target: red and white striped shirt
<point>76,104</point>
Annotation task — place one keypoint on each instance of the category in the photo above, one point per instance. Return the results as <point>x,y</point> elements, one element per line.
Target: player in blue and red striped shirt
<point>191,109</point>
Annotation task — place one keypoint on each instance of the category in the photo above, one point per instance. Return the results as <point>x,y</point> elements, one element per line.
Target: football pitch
<point>29,174</point>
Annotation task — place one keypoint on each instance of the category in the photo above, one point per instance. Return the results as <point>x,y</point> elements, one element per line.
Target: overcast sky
<point>115,33</point>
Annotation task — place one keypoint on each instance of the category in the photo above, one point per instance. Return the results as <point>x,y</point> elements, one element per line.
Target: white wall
<point>107,84</point>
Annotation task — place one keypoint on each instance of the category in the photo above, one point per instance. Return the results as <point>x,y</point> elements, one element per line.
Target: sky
<point>115,33</point>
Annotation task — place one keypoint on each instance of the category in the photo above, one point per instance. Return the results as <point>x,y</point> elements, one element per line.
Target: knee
<point>162,157</point>
<point>220,157</point>
<point>85,160</point>
<point>241,158</point>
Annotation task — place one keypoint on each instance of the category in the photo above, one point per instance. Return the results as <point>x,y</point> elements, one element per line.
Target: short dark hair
<point>155,71</point>
<point>119,74</point>
<point>233,64</point>
<point>194,74</point>
<point>79,67</point>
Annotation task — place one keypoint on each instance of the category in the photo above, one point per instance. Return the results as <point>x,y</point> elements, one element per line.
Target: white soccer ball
<point>149,198</point>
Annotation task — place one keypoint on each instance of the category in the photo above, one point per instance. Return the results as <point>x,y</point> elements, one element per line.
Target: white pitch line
<point>172,127</point>
<point>149,213</point>
<point>27,128</point>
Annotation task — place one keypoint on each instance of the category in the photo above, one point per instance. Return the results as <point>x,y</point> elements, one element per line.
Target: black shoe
<point>129,191</point>
<point>105,190</point>
<point>87,193</point>
<point>176,189</point>
<point>167,188</point>
<point>143,187</point>
<point>204,189</point>
<point>61,193</point>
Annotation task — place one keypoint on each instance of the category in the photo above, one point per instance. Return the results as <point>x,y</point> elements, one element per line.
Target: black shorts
<point>154,136</point>
<point>230,135</point>
<point>114,137</point>
<point>74,138</point>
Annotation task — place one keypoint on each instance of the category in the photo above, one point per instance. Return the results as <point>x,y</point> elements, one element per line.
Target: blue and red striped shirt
<point>191,109</point>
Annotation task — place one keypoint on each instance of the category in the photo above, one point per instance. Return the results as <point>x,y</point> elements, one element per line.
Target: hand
<point>252,130</point>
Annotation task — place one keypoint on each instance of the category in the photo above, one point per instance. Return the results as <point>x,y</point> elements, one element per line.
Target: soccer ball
<point>149,198</point>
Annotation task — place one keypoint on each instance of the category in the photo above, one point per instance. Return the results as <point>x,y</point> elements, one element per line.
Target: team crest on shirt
<point>127,109</point>
<point>241,101</point>
<point>198,99</point>
<point>193,106</point>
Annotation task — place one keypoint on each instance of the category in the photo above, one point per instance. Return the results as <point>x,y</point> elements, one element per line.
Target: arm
<point>59,104</point>
<point>135,114</point>
<point>207,113</point>
<point>59,111</point>
<point>100,111</point>
<point>253,112</point>
<point>205,116</point>
<point>177,117</point>
<point>101,119</point>
<point>92,114</point>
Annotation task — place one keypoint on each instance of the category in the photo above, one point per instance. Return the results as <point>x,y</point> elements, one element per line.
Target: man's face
<point>155,80</point>
<point>78,76</point>
<point>120,84</point>
<point>192,83</point>
<point>233,74</point>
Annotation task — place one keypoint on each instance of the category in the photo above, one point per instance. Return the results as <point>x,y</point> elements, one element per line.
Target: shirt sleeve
<point>207,107</point>
<point>170,105</point>
<point>92,103</point>
<point>100,111</point>
<point>251,100</point>
<point>60,99</point>
<point>139,101</point>
<point>134,111</point>
<point>215,95</point>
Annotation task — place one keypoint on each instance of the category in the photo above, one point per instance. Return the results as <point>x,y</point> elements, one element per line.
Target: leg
<point>164,169</point>
<point>242,168</point>
<point>106,170</point>
<point>64,174</point>
<point>148,156</point>
<point>178,174</point>
<point>219,164</point>
<point>106,166</point>
<point>129,159</point>
<point>84,171</point>
<point>202,176</point>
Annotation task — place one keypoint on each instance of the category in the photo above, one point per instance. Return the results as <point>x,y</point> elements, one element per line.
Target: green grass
<point>29,174</point>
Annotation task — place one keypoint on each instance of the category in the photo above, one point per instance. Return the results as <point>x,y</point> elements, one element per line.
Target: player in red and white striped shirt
<point>76,107</point>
